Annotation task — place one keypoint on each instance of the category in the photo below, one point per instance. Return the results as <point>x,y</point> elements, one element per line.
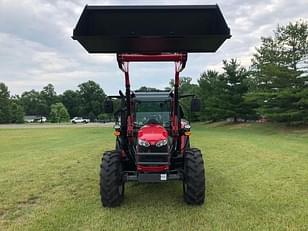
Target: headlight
<point>187,127</point>
<point>143,143</point>
<point>161,143</point>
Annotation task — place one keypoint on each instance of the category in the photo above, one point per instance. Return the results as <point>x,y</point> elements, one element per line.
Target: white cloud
<point>36,47</point>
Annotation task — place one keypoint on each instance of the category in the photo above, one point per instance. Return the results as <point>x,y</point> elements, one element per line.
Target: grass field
<point>257,179</point>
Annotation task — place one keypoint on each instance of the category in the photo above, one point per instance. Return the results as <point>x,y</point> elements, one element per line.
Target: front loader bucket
<point>151,29</point>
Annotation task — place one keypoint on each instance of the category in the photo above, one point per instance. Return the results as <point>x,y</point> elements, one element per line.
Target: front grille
<point>153,158</point>
<point>153,155</point>
<point>153,148</point>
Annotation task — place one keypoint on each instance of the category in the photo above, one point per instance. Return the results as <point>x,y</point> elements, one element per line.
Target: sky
<point>36,46</point>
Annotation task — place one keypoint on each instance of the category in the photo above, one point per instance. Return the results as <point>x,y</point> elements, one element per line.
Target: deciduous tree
<point>5,109</point>
<point>58,113</point>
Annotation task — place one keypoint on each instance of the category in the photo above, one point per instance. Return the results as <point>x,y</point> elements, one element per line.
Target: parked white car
<point>77,120</point>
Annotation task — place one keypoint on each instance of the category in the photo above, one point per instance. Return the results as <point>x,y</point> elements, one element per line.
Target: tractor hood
<point>152,133</point>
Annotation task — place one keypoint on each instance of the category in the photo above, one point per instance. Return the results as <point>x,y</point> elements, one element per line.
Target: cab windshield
<point>149,112</point>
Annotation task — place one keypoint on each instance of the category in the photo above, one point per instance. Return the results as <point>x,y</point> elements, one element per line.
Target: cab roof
<point>152,96</point>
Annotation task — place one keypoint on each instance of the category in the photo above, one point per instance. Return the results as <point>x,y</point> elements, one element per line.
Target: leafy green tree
<point>5,109</point>
<point>293,44</point>
<point>214,96</point>
<point>236,78</point>
<point>58,113</point>
<point>279,67</point>
<point>92,97</point>
<point>105,117</point>
<point>223,95</point>
<point>48,96</point>
<point>186,87</point>
<point>91,116</point>
<point>147,89</point>
<point>32,103</point>
<point>38,103</point>
<point>71,100</point>
<point>17,113</point>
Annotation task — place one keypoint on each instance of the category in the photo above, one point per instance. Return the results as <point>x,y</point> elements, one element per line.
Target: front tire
<point>194,177</point>
<point>111,179</point>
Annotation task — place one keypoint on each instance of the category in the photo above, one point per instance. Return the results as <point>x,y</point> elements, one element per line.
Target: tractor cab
<point>152,108</point>
<point>152,118</point>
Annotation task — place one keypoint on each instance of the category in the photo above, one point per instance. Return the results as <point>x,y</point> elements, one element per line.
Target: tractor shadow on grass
<point>153,194</point>
<point>170,194</point>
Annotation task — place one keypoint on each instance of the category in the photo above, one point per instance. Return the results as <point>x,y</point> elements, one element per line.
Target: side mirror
<point>108,106</point>
<point>195,105</point>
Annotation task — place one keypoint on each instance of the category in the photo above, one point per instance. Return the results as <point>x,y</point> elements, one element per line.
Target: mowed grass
<point>257,179</point>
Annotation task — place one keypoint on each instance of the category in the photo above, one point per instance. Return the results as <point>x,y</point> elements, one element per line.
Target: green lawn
<point>257,179</point>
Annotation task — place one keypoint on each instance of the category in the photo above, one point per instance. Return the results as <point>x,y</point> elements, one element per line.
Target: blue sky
<point>36,46</point>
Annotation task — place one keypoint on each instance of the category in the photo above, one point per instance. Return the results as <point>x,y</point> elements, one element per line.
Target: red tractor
<point>152,136</point>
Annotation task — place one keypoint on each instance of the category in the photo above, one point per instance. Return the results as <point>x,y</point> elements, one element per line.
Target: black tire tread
<point>110,179</point>
<point>194,177</point>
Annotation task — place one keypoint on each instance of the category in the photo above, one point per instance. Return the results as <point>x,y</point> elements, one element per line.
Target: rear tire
<point>194,177</point>
<point>111,179</point>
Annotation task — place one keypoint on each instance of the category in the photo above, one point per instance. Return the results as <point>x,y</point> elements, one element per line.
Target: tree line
<point>274,87</point>
<point>87,101</point>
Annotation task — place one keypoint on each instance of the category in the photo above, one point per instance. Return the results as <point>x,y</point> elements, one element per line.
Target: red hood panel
<point>152,133</point>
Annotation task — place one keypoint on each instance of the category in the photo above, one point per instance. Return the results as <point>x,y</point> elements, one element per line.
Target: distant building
<point>35,119</point>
